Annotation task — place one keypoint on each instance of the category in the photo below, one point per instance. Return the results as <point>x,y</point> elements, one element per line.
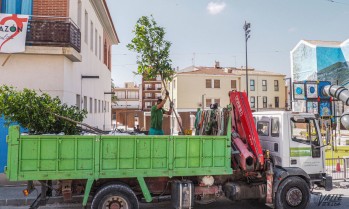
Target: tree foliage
<point>153,50</point>
<point>37,112</point>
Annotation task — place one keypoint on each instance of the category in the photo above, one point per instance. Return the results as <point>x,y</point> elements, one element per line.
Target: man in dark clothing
<point>156,116</point>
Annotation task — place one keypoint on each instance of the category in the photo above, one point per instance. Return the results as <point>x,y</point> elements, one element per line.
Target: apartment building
<point>151,91</point>
<point>67,55</point>
<point>126,108</point>
<point>266,90</point>
<point>195,87</point>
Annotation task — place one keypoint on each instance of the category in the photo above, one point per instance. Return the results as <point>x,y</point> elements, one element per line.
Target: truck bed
<point>47,157</point>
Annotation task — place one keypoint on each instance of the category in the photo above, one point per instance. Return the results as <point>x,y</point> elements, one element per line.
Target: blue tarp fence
<point>3,145</point>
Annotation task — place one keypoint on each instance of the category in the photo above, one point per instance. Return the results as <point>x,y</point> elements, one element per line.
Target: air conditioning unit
<point>270,105</point>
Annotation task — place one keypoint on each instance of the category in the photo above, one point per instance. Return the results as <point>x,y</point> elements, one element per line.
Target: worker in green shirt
<point>156,116</point>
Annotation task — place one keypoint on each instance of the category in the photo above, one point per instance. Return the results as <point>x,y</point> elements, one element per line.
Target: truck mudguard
<point>281,173</point>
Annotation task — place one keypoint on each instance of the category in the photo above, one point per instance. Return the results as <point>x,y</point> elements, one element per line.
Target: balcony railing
<point>53,31</point>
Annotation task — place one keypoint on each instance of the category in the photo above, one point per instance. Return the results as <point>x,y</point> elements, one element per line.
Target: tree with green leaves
<point>39,113</point>
<point>153,50</point>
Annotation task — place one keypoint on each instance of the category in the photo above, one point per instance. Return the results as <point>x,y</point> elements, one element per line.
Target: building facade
<point>151,91</point>
<point>68,54</point>
<point>126,109</point>
<point>197,86</point>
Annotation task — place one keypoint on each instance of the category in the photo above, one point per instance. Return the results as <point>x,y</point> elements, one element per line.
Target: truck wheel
<point>115,196</point>
<point>292,193</point>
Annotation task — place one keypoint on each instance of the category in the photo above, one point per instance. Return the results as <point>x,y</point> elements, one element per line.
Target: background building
<point>320,60</point>
<point>126,110</point>
<point>151,91</point>
<point>68,54</point>
<point>195,86</point>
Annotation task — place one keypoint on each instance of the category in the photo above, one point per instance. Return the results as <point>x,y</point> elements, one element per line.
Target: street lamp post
<point>290,92</point>
<point>247,27</point>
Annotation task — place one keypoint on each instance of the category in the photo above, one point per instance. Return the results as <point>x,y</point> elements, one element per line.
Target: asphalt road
<point>336,203</point>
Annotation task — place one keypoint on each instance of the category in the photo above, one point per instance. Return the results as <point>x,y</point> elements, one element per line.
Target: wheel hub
<point>114,205</point>
<point>115,202</point>
<point>294,196</point>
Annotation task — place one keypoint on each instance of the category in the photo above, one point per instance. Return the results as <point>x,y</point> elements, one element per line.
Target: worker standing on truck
<point>156,116</point>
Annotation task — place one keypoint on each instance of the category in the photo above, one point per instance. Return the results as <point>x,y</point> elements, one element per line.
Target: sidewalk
<point>5,182</point>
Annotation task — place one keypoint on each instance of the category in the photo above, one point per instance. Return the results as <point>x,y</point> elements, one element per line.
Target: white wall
<point>44,72</point>
<point>90,65</point>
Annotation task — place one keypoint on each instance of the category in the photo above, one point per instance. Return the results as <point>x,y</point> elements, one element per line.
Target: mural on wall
<point>332,66</point>
<point>323,63</point>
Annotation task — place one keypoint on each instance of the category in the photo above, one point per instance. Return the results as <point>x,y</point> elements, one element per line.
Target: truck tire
<point>292,193</point>
<point>115,196</point>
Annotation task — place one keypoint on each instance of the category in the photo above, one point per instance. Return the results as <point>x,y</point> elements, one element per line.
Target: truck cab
<point>294,140</point>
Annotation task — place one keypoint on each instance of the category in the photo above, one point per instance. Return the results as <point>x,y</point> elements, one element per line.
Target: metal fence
<point>338,168</point>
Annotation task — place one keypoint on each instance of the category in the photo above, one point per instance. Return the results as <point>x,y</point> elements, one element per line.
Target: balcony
<point>53,31</point>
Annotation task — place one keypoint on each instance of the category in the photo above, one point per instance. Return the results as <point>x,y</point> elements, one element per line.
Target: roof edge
<point>104,16</point>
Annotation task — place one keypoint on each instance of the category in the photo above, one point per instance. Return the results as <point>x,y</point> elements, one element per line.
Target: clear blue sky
<point>213,31</point>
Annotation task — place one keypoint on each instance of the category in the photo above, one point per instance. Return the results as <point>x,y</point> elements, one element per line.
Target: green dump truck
<point>118,171</point>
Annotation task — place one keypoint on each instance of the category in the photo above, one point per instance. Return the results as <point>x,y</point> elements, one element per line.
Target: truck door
<point>305,151</point>
<point>268,129</point>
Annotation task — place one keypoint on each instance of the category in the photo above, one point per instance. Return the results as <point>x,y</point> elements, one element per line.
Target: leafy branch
<point>37,113</point>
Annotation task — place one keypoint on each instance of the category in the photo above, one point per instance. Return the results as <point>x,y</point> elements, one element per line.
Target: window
<point>79,13</point>
<point>78,101</point>
<point>120,94</point>
<point>253,102</point>
<point>85,103</point>
<point>100,48</point>
<point>174,84</point>
<point>132,94</point>
<point>105,53</point>
<point>148,87</point>
<point>217,84</point>
<point>275,127</point>
<point>147,104</point>
<point>208,102</point>
<point>95,105</point>
<point>157,95</point>
<point>218,102</point>
<point>99,106</point>
<point>157,86</point>
<point>252,85</point>
<point>86,27</point>
<point>276,102</point>
<point>148,95</point>
<point>263,128</point>
<point>304,131</point>
<point>264,85</point>
<point>91,105</point>
<point>208,83</point>
<point>265,101</point>
<point>16,7</point>
<point>91,38</point>
<point>96,42</point>
<point>233,84</point>
<point>276,85</point>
